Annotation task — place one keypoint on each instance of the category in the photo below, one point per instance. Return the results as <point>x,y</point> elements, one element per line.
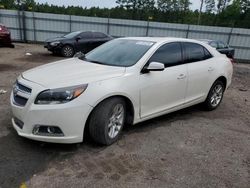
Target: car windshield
<point>73,34</point>
<point>119,52</point>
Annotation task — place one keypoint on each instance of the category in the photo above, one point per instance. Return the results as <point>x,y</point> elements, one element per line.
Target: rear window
<point>99,35</point>
<point>195,52</point>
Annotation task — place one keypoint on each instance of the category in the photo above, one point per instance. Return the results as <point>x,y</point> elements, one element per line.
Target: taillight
<point>3,28</point>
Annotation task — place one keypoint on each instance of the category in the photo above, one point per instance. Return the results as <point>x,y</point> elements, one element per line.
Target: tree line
<point>228,13</point>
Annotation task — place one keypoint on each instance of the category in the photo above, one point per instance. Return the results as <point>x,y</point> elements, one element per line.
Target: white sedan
<point>125,81</point>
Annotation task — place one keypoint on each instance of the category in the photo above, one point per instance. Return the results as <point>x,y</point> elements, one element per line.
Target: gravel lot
<point>188,148</point>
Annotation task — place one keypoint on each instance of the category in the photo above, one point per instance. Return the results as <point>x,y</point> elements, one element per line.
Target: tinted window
<point>195,52</point>
<point>99,35</point>
<point>73,34</point>
<point>170,54</point>
<point>207,54</point>
<point>86,35</point>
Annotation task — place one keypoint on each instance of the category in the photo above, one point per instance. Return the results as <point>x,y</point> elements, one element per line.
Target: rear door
<point>164,90</point>
<point>99,39</point>
<point>200,67</point>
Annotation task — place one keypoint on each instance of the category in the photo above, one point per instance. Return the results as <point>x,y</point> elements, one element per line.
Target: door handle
<point>181,76</point>
<point>210,69</point>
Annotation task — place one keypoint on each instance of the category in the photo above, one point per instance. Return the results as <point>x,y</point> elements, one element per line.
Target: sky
<point>96,3</point>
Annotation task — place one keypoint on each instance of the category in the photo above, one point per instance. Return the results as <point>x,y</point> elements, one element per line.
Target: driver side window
<point>86,35</point>
<point>169,54</point>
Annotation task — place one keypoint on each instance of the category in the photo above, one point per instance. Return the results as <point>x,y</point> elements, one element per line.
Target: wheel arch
<point>130,110</point>
<point>223,79</point>
<point>69,44</point>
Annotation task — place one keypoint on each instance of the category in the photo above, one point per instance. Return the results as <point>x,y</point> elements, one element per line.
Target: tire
<point>107,121</point>
<point>215,96</point>
<point>54,53</point>
<point>67,51</point>
<point>12,46</point>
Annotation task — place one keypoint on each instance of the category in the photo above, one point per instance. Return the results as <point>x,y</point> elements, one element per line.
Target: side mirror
<point>153,66</point>
<point>78,38</point>
<point>79,55</point>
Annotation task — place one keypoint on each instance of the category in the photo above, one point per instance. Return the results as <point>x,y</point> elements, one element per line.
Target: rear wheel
<point>107,120</point>
<point>215,95</point>
<point>68,51</point>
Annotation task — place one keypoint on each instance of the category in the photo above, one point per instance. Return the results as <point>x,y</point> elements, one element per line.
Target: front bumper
<point>69,117</point>
<point>56,49</point>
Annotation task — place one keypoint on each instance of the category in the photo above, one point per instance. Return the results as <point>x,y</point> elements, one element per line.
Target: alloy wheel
<point>116,121</point>
<point>217,94</point>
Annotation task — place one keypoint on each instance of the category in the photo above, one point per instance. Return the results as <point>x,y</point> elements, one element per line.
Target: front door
<point>164,90</point>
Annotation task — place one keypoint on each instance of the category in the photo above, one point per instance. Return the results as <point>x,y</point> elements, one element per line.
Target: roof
<point>162,39</point>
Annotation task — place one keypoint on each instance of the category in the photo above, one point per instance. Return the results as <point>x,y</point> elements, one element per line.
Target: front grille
<point>21,94</point>
<point>23,88</point>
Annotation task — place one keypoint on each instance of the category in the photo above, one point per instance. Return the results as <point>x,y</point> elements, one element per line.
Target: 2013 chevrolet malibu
<point>124,81</point>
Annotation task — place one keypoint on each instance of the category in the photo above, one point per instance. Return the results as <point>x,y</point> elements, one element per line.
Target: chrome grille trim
<point>21,94</point>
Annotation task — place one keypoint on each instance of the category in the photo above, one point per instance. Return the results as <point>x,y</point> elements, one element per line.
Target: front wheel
<point>107,120</point>
<point>67,51</point>
<point>215,95</point>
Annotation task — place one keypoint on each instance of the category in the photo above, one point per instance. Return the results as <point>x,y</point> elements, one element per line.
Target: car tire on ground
<point>107,120</point>
<point>215,95</point>
<point>67,51</point>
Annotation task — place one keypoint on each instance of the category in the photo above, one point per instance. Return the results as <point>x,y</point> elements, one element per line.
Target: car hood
<point>71,72</point>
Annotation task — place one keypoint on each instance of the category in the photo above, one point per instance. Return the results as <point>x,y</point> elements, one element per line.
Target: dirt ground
<point>188,148</point>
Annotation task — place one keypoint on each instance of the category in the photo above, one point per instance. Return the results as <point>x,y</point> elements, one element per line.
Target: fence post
<point>229,36</point>
<point>20,25</point>
<point>70,23</point>
<point>34,27</point>
<point>147,31</point>
<point>188,29</point>
<point>108,25</point>
<point>24,26</point>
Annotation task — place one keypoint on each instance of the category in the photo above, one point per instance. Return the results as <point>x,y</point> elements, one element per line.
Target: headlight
<point>54,43</point>
<point>61,95</point>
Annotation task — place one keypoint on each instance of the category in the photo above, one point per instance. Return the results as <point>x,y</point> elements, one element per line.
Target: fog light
<point>51,130</point>
<point>43,130</point>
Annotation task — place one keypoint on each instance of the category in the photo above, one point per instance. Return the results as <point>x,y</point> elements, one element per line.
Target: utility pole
<point>19,20</point>
<point>199,17</point>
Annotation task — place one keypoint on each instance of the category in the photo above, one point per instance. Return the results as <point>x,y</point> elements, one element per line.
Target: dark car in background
<point>78,41</point>
<point>221,47</point>
<point>5,36</point>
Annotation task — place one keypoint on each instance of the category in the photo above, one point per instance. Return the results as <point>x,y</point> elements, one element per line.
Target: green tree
<point>137,7</point>
<point>222,4</point>
<point>8,4</point>
<point>168,5</point>
<point>210,5</point>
